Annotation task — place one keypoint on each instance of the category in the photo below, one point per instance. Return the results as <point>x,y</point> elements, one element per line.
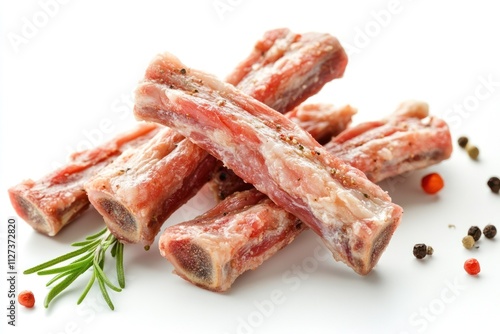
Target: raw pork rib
<point>237,235</point>
<point>249,237</point>
<point>144,186</point>
<point>289,65</point>
<point>321,120</point>
<point>395,145</point>
<point>407,140</point>
<point>58,198</point>
<point>139,191</point>
<point>354,217</point>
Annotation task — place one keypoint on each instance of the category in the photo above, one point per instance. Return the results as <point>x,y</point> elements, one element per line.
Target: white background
<point>67,83</point>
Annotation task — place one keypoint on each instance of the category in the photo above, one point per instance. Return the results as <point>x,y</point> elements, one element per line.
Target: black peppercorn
<point>462,141</point>
<point>490,231</point>
<point>222,176</point>
<point>421,250</point>
<point>494,184</point>
<point>475,232</point>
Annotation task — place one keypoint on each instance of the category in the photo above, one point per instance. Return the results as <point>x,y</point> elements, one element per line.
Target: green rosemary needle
<point>91,252</point>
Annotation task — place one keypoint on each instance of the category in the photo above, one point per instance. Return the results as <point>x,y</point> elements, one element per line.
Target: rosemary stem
<point>93,253</point>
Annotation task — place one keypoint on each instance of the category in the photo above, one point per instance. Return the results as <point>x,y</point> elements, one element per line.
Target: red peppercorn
<point>472,267</point>
<point>432,183</point>
<point>26,298</point>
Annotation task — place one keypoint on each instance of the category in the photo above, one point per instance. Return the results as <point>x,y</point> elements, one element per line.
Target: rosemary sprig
<point>91,252</point>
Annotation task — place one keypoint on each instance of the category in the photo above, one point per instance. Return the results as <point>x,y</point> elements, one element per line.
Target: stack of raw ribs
<point>276,164</point>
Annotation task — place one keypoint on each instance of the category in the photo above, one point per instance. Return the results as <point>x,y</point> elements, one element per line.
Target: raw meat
<point>216,268</point>
<point>144,186</point>
<point>321,120</point>
<point>286,68</point>
<point>56,199</point>
<point>237,235</point>
<point>354,217</point>
<point>408,140</point>
<point>139,191</point>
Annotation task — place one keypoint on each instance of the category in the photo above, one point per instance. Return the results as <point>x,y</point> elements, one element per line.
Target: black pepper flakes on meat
<point>222,176</point>
<point>182,71</point>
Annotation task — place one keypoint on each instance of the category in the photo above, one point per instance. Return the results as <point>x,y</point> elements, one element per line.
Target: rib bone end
<point>192,263</point>
<point>118,219</point>
<point>40,213</point>
<point>30,213</point>
<point>364,249</point>
<point>381,242</point>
